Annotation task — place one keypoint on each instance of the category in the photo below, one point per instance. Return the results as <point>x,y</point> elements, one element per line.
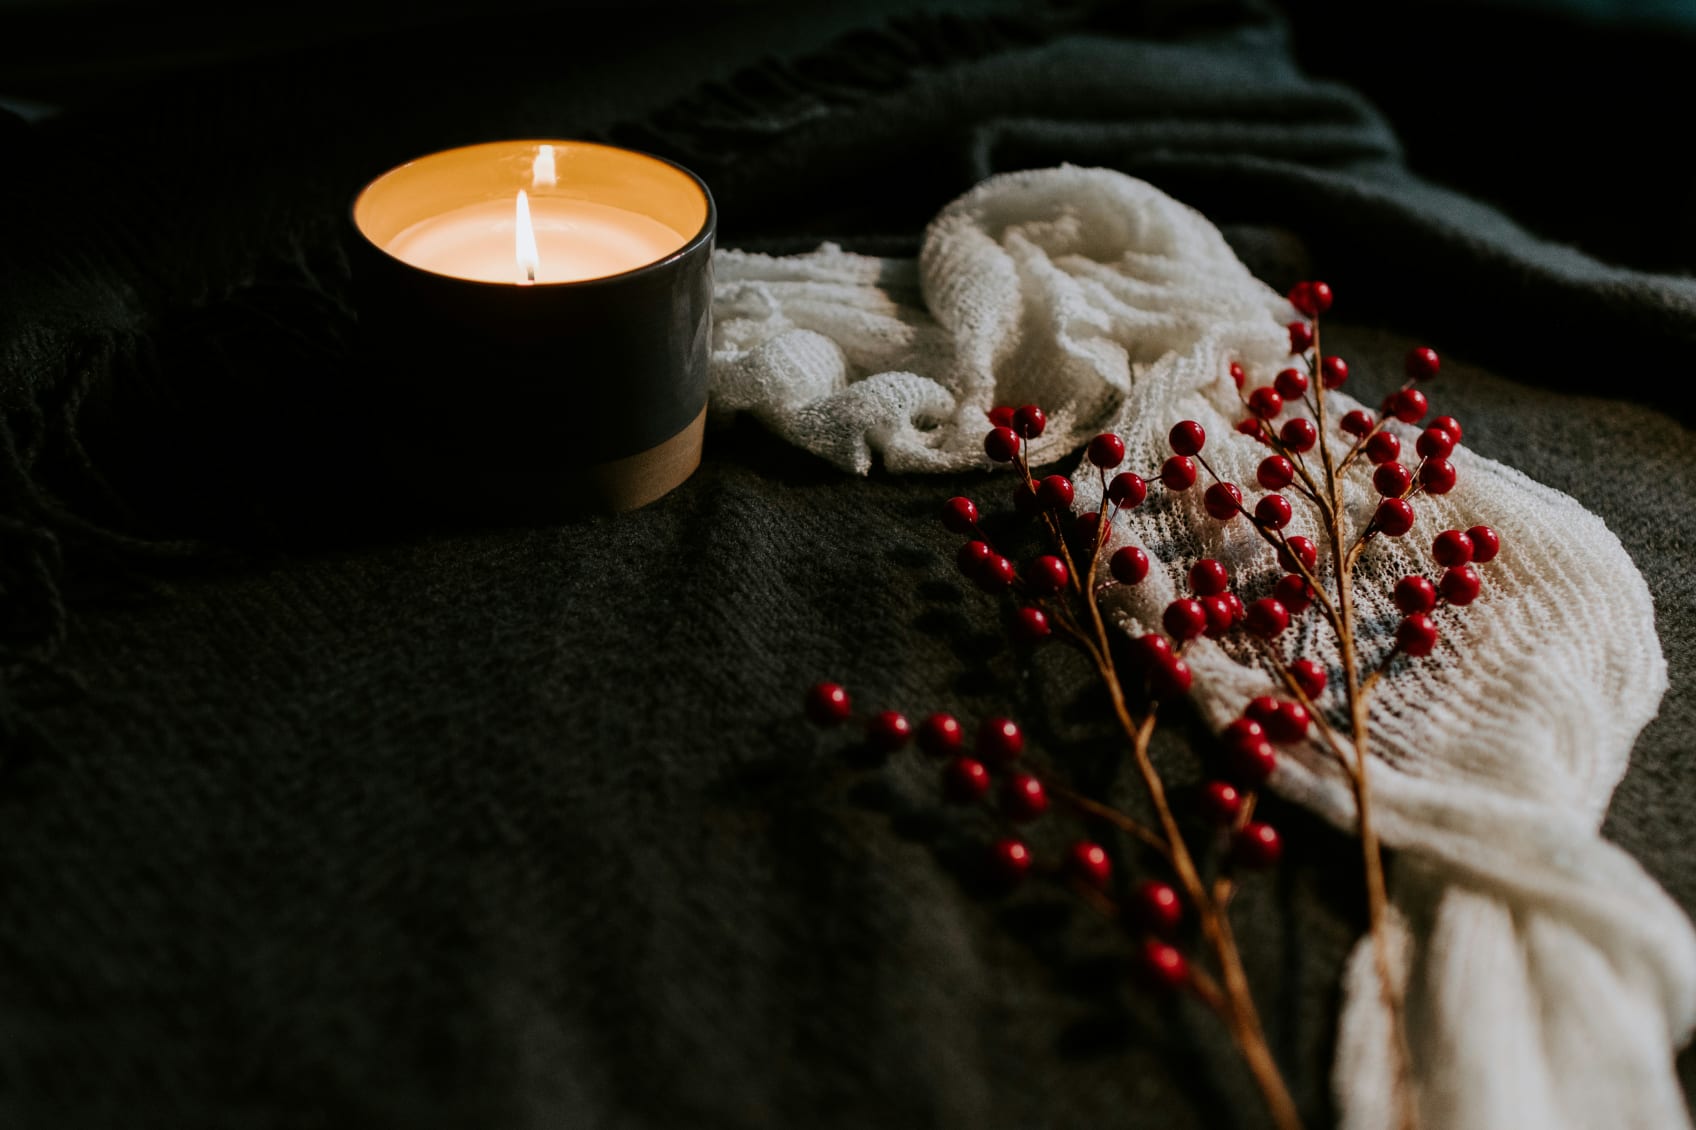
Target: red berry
<point>1290,384</point>
<point>1001,416</point>
<point>964,780</point>
<point>1129,565</point>
<point>1422,363</point>
<point>1301,337</point>
<point>1407,405</point>
<point>1047,575</point>
<point>1126,490</point>
<point>1294,593</point>
<point>1289,724</point>
<point>1273,511</point>
<point>828,704</point>
<point>1209,578</point>
<point>1394,517</point>
<point>971,557</point>
<point>1170,678</point>
<point>1257,846</point>
<point>1275,472</point>
<point>1001,444</point>
<point>1089,863</point>
<point>1237,374</point>
<point>1485,544</point>
<point>1434,443</point>
<point>1415,594</point>
<point>1186,437</point>
<point>940,735</point>
<point>1299,434</point>
<point>1221,615</point>
<point>1220,802</point>
<point>1249,763</point>
<point>1416,634</point>
<point>1029,421</point>
<point>1266,618</point>
<point>1184,619</point>
<point>1383,448</point>
<point>1243,732</point>
<point>1309,676</point>
<point>1178,473</point>
<point>960,515</point>
<point>1451,547</point>
<point>1265,402</point>
<point>1333,371</point>
<point>1158,906</point>
<point>1222,501</point>
<point>1261,709</point>
<point>1107,451</point>
<point>1448,424</point>
<point>1023,798</point>
<point>1236,604</point>
<point>1311,298</point>
<point>1163,966</point>
<point>1437,476</point>
<point>1282,721</point>
<point>1030,626</point>
<point>1392,480</point>
<point>1459,585</point>
<point>1086,528</point>
<point>1298,548</point>
<point>1055,492</point>
<point>888,730</point>
<point>1357,423</point>
<point>995,574</point>
<point>1009,861</point>
<point>1251,427</point>
<point>1152,650</point>
<point>1000,740</point>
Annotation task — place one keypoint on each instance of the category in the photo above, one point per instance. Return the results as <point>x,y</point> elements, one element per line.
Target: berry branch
<point>1054,597</point>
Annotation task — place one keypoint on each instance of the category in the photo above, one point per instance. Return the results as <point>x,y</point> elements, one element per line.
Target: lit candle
<point>558,239</point>
<point>551,235</point>
<point>509,291</point>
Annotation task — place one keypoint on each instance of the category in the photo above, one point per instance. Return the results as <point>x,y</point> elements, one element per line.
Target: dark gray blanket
<point>314,819</point>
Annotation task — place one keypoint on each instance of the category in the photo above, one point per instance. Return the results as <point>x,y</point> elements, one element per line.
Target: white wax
<point>575,240</point>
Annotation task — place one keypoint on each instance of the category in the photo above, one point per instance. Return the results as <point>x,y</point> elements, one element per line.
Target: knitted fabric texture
<point>1547,978</point>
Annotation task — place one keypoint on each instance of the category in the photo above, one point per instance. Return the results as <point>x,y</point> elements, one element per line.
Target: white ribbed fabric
<point>1548,979</point>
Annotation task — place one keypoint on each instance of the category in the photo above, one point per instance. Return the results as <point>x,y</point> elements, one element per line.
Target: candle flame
<point>542,169</point>
<point>529,260</point>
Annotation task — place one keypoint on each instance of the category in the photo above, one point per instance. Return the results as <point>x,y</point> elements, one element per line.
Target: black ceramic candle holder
<point>547,397</point>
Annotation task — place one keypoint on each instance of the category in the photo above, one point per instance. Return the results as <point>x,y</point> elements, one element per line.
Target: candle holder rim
<point>704,234</point>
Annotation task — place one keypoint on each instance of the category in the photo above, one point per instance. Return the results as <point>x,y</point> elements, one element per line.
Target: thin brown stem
<point>1309,487</point>
<point>1359,446</point>
<point>1379,671</point>
<point>1339,745</point>
<point>1377,895</point>
<point>1237,1008</point>
<point>1110,815</point>
<point>1281,545</point>
<point>1225,883</point>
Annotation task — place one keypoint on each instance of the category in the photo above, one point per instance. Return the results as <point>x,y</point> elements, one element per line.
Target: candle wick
<point>530,274</point>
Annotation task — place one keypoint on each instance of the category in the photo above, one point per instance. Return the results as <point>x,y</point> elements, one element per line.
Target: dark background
<point>310,817</point>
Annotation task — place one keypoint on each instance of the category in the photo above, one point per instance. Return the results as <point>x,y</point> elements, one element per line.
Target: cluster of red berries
<point>1417,597</point>
<point>1392,479</point>
<point>1210,609</point>
<point>991,766</point>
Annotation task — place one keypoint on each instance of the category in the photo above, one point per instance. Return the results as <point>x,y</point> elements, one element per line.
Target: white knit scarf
<point>1548,979</point>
